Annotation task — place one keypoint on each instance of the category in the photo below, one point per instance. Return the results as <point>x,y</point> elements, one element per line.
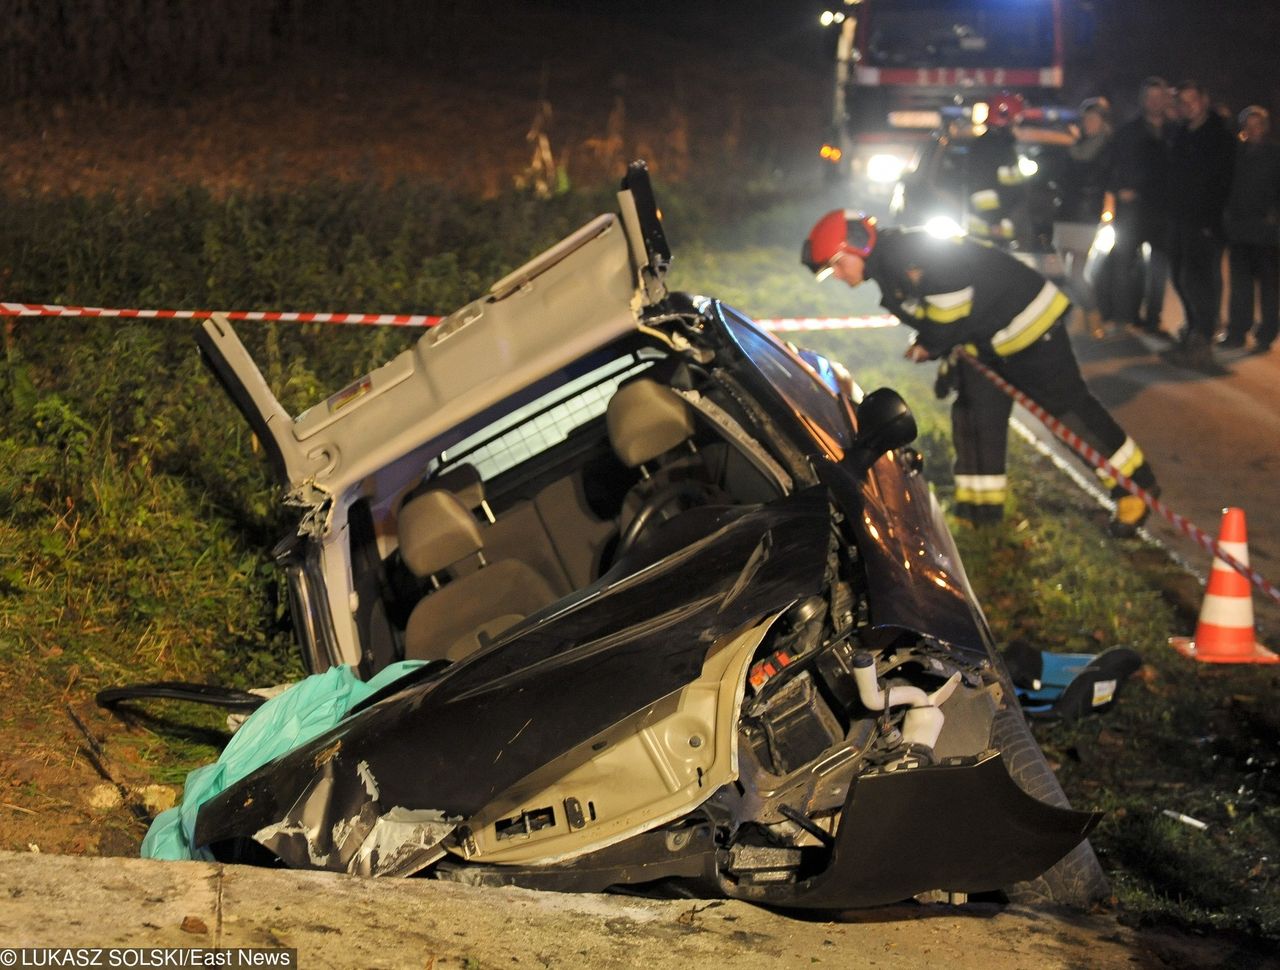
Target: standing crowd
<point>1174,186</point>
<point>1178,184</point>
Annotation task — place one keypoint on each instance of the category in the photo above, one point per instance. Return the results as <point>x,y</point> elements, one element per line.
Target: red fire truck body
<point>901,62</point>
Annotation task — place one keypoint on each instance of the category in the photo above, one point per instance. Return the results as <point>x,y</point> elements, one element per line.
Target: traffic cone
<point>1224,634</point>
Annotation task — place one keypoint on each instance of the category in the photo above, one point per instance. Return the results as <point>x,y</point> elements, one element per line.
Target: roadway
<point>1214,442</point>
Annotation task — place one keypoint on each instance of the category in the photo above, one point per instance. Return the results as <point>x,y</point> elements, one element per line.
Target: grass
<point>135,519</point>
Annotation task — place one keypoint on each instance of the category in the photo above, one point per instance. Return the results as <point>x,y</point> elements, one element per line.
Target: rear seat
<point>437,533</point>
<point>519,533</point>
<point>556,533</point>
<point>574,532</point>
<point>526,530</point>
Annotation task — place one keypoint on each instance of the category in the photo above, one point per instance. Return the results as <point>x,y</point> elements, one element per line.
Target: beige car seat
<point>646,420</point>
<point>651,428</point>
<point>437,532</point>
<point>463,479</point>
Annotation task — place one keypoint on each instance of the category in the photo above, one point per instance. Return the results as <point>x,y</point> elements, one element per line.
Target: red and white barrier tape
<point>1097,460</point>
<point>266,316</point>
<point>780,324</point>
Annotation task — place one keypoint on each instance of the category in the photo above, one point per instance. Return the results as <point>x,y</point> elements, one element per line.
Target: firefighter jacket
<point>996,187</point>
<point>958,292</point>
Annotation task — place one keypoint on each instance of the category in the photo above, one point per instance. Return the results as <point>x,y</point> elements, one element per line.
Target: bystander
<point>1137,203</point>
<point>1252,224</point>
<point>1201,163</point>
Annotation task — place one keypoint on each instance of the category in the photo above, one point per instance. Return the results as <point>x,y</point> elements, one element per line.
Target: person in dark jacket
<point>1252,223</point>
<point>1137,202</point>
<point>1084,188</point>
<point>1201,163</point>
<point>959,293</point>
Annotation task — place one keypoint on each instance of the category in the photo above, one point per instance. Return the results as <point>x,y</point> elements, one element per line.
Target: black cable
<point>808,825</point>
<point>176,690</point>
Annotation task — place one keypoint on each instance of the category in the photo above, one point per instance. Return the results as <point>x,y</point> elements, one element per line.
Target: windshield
<point>959,33</point>
<point>810,400</point>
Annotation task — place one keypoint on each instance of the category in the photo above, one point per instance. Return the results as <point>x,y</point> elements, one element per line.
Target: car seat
<point>459,617</point>
<point>651,430</point>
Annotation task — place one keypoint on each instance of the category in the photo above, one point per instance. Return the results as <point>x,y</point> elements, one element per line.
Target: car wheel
<point>1076,879</point>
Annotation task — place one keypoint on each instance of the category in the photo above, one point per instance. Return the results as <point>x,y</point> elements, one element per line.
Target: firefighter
<point>958,293</point>
<point>995,184</point>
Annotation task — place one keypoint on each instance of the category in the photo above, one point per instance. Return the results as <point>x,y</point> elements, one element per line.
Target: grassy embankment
<point>135,519</point>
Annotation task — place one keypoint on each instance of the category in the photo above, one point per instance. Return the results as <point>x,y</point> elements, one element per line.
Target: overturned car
<point>685,613</point>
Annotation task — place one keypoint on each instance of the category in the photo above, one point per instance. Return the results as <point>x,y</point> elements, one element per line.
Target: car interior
<point>580,486</point>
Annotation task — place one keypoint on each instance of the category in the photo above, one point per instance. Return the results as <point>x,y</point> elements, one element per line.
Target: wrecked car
<point>687,615</point>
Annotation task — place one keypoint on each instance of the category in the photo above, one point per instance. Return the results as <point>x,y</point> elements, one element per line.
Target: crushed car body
<point>687,613</point>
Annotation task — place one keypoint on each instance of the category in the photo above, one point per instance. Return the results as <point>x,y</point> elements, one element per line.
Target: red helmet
<point>840,231</point>
<point>1005,110</point>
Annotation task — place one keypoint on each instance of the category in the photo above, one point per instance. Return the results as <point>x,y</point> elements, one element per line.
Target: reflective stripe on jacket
<point>959,291</point>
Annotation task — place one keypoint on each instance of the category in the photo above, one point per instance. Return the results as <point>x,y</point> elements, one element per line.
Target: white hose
<point>923,723</point>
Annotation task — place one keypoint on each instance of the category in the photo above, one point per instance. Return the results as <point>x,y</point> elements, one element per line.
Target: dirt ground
<point>339,921</point>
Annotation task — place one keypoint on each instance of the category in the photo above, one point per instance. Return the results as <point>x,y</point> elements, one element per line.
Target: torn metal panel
<point>964,826</point>
<point>329,829</point>
<point>318,506</point>
<point>647,771</point>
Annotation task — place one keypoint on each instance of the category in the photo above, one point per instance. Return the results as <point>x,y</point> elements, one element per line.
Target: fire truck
<point>902,63</point>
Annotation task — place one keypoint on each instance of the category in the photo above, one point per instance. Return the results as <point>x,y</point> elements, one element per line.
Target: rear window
<point>545,422</point>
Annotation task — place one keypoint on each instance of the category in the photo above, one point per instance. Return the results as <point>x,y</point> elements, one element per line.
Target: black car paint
<point>912,567</point>
<point>966,826</point>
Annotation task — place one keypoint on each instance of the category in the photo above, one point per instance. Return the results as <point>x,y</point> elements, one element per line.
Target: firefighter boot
<point>1131,512</point>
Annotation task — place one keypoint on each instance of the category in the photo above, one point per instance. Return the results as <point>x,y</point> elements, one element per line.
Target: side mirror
<point>885,422</point>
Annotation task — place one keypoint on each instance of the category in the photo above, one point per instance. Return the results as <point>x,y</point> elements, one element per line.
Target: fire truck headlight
<point>943,227</point>
<point>1105,240</point>
<point>1027,167</point>
<point>885,168</point>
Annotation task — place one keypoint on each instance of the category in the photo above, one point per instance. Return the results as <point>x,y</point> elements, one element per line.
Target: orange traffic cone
<point>1225,633</point>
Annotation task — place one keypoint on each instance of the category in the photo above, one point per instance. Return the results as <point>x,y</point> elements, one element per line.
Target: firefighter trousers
<point>1048,373</point>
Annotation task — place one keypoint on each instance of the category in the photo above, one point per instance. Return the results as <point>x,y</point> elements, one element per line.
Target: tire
<point>1075,880</point>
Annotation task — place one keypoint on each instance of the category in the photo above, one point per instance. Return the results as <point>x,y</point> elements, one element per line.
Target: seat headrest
<point>436,530</point>
<point>646,419</point>
<point>464,481</point>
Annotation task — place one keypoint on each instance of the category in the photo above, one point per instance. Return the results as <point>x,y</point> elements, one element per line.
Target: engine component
<point>796,727</point>
<point>923,723</point>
